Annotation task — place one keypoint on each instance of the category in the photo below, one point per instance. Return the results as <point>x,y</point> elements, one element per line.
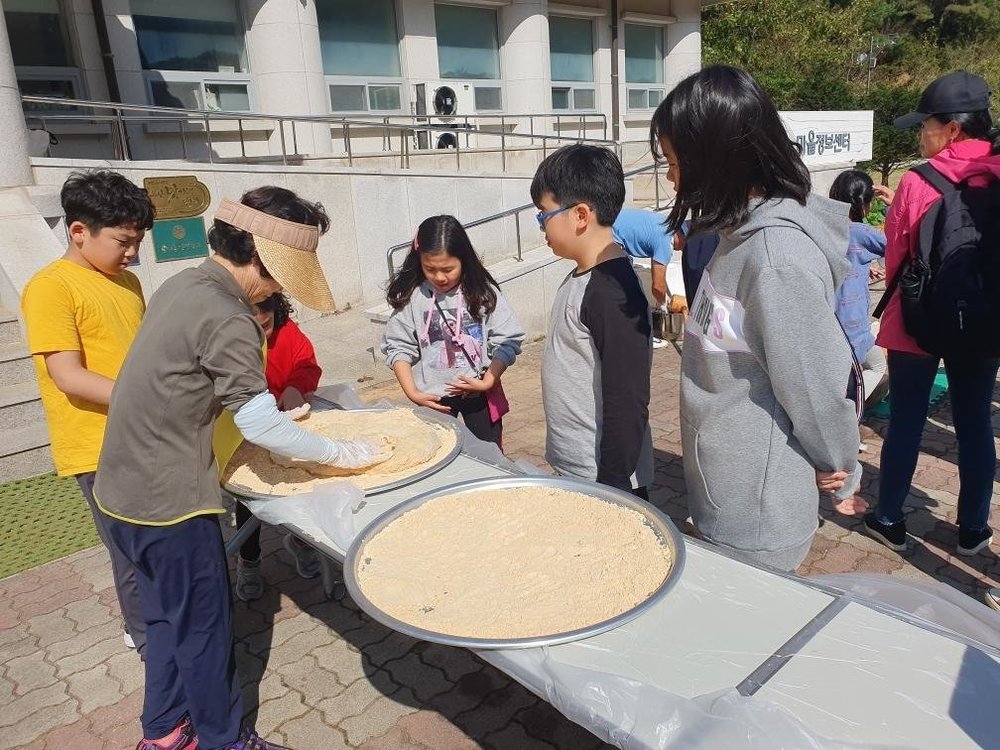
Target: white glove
<point>297,413</point>
<point>357,454</point>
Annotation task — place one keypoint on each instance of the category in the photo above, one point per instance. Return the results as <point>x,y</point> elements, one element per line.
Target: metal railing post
<point>517,233</point>
<point>122,135</point>
<point>503,144</point>
<point>243,145</point>
<point>184,143</point>
<point>281,131</point>
<point>458,157</point>
<point>295,138</point>
<point>347,143</point>
<point>208,140</point>
<point>656,183</point>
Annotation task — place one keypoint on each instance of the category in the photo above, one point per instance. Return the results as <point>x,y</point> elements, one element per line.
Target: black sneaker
<point>892,535</point>
<point>970,542</point>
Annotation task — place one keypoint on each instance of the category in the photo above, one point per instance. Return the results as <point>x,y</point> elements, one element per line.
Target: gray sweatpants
<point>121,568</point>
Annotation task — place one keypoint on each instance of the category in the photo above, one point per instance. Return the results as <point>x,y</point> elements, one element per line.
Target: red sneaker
<point>183,737</point>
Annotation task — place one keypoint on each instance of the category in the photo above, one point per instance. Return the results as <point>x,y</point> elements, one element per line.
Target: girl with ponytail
<point>867,244</point>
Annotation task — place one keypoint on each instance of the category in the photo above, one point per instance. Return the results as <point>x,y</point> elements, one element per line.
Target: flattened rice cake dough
<point>415,444</point>
<point>513,563</point>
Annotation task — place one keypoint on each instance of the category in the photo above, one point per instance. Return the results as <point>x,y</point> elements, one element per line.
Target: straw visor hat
<point>287,249</point>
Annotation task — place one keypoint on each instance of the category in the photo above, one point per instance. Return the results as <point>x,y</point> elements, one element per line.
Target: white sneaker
<point>249,584</point>
<point>659,343</point>
<point>129,643</point>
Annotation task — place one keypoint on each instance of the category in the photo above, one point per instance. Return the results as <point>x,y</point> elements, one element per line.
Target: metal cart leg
<point>328,572</point>
<point>242,535</point>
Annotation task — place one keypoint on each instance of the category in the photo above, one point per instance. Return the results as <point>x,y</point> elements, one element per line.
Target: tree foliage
<point>815,54</point>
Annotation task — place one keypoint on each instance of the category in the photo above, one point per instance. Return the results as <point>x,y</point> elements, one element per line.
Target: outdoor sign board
<point>831,138</point>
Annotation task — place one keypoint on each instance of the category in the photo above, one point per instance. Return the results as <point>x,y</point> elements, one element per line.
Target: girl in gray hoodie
<point>452,333</point>
<point>765,418</point>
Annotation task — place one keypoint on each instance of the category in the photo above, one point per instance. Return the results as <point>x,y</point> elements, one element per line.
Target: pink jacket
<point>961,160</point>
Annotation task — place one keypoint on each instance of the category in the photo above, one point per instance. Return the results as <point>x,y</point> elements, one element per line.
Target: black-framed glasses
<point>544,216</point>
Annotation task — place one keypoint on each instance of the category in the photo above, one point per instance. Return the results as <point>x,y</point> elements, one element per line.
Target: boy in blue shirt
<point>643,235</point>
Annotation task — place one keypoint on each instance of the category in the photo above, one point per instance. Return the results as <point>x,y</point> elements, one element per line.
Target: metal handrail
<point>582,119</point>
<point>181,116</point>
<point>654,167</point>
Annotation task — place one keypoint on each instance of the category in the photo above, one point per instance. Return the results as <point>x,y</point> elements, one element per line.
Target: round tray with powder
<point>515,562</point>
<point>423,442</point>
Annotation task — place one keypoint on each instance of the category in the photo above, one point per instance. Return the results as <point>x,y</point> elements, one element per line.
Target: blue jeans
<point>970,388</point>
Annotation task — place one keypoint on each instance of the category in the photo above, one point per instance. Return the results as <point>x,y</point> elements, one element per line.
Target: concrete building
<point>609,61</point>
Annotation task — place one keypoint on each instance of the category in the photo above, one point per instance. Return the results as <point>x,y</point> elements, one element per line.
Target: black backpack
<point>950,290</point>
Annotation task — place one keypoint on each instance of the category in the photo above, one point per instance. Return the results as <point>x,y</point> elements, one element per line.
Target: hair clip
<point>416,245</point>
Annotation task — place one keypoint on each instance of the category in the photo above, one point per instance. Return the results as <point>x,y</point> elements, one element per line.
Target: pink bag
<point>496,401</point>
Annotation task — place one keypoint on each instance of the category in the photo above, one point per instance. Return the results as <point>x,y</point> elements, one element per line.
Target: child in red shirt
<point>292,376</point>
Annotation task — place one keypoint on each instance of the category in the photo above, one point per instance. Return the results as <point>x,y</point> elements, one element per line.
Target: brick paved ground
<point>320,674</point>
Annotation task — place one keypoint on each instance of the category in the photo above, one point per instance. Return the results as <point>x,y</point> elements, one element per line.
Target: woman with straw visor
<point>197,353</point>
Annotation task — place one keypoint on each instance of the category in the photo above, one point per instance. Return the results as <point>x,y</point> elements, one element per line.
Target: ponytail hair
<point>445,234</point>
<point>854,187</point>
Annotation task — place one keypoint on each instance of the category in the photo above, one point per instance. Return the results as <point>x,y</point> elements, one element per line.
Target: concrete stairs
<point>24,447</point>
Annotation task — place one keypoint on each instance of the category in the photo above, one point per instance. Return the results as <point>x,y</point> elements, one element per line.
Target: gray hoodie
<point>765,374</point>
<point>416,335</point>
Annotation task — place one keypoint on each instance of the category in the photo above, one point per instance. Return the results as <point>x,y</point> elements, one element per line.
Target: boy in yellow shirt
<point>81,313</point>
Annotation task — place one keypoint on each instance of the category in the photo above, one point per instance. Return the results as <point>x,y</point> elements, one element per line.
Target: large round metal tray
<point>427,415</point>
<point>662,525</point>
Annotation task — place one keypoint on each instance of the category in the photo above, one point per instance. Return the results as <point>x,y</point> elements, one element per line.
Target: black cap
<point>956,92</point>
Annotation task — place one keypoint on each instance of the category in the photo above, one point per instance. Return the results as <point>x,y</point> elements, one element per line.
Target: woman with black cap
<point>957,136</point>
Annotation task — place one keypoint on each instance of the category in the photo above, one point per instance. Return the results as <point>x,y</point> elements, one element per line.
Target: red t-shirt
<point>291,361</point>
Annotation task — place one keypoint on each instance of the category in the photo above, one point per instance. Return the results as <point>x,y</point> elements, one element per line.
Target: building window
<point>571,57</point>
<point>644,65</point>
<point>467,41</point>
<point>360,46</point>
<point>43,55</point>
<point>193,53</point>
<point>469,48</point>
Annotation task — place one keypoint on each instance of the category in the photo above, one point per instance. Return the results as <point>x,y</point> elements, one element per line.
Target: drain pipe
<point>615,93</point>
<point>108,58</point>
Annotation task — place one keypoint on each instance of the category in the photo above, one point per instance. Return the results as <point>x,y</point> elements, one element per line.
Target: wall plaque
<point>177,197</point>
<point>179,239</point>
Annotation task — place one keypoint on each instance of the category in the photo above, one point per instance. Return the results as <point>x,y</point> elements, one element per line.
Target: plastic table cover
<point>735,656</point>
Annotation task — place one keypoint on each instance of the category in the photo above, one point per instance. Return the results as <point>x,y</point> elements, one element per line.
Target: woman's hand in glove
<point>358,454</point>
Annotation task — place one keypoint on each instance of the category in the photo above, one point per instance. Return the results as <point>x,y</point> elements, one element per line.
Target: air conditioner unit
<point>443,104</point>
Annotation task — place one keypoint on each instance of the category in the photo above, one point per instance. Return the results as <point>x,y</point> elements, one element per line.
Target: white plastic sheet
<point>633,715</point>
<point>329,514</point>
<point>931,601</point>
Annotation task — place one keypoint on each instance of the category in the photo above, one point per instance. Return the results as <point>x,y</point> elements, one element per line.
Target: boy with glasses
<point>595,370</point>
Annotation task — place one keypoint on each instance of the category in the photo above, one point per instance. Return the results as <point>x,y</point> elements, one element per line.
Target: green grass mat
<point>43,518</point>
<point>938,389</point>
